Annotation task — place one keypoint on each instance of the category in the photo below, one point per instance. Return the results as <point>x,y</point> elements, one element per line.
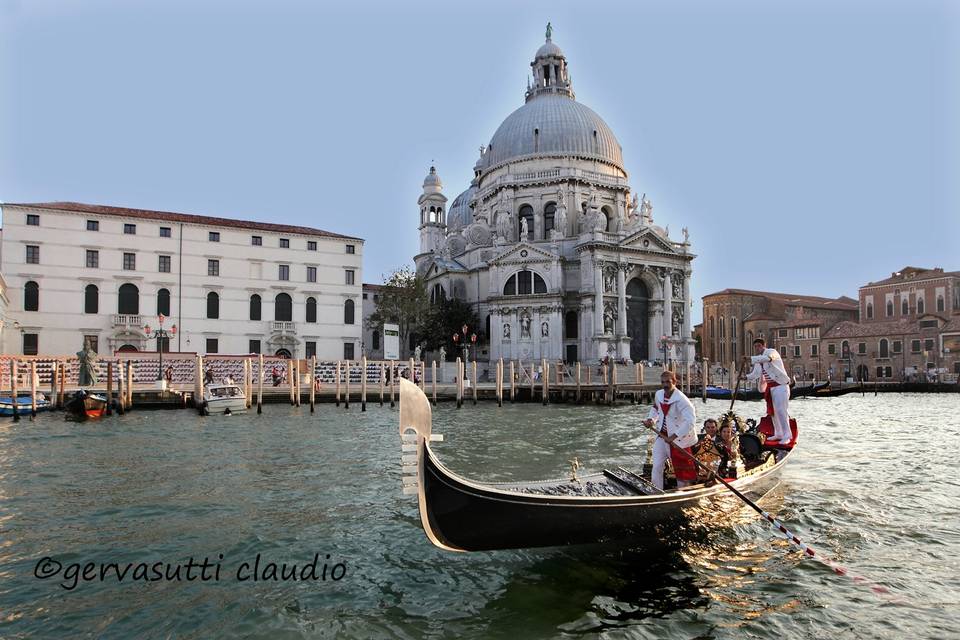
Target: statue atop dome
<point>549,31</point>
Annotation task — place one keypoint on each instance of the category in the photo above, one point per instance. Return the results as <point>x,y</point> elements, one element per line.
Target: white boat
<point>221,398</point>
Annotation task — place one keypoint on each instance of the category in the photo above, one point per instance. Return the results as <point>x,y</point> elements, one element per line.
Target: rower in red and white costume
<point>774,383</point>
<point>674,417</point>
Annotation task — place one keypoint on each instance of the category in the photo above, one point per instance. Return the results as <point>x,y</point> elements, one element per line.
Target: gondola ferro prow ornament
<point>416,424</point>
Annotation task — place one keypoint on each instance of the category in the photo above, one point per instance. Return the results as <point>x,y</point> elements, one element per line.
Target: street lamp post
<point>161,335</point>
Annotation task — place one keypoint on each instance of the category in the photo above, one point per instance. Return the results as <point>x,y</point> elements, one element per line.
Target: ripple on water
<point>866,487</point>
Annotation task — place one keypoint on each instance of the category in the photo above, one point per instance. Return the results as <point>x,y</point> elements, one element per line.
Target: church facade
<point>559,255</point>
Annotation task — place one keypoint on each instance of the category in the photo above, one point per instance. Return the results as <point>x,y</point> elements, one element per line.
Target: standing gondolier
<point>774,383</point>
<point>674,417</point>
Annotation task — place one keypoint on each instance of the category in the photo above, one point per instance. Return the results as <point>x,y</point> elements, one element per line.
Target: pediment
<point>648,240</point>
<point>524,253</point>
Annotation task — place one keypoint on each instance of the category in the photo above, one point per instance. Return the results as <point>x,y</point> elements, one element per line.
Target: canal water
<point>874,485</point>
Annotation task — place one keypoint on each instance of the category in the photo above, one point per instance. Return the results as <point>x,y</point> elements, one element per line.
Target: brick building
<point>732,318</point>
<point>909,328</point>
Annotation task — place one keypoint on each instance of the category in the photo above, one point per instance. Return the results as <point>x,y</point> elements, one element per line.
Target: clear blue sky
<point>810,146</point>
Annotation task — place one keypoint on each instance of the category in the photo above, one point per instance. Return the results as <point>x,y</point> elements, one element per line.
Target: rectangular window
<point>284,243</point>
<point>94,342</point>
<point>93,258</point>
<point>914,346</point>
<point>897,346</point>
<point>796,351</point>
<point>164,264</point>
<point>213,267</point>
<point>93,225</point>
<point>928,344</point>
<point>782,333</point>
<point>213,345</point>
<point>130,229</point>
<point>349,276</point>
<point>33,254</point>
<point>311,349</point>
<point>311,245</point>
<point>33,220</point>
<point>129,261</point>
<point>928,324</point>
<point>783,352</point>
<point>214,236</point>
<point>256,241</point>
<point>348,351</point>
<point>861,347</point>
<point>311,274</point>
<point>364,296</point>
<point>351,248</point>
<point>254,346</point>
<point>31,344</point>
<point>832,349</point>
<point>814,350</point>
<point>166,232</point>
<point>284,272</point>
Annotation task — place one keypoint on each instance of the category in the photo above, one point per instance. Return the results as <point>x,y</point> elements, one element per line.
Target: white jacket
<point>681,419</point>
<point>771,363</point>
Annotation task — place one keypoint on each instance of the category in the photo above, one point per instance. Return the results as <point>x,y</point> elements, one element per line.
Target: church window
<point>536,140</point>
<point>941,305</point>
<point>920,306</point>
<point>869,310</point>
<point>889,308</point>
<point>437,294</point>
<point>904,307</point>
<point>524,283</point>
<point>549,215</point>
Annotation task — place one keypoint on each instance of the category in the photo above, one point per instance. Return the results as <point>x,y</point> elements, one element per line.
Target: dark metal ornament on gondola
<point>459,514</point>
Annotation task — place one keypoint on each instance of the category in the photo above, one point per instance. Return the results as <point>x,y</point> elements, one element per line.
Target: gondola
<point>796,391</point>
<point>459,514</point>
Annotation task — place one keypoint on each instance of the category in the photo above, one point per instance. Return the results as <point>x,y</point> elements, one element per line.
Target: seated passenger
<point>728,444</point>
<point>706,450</point>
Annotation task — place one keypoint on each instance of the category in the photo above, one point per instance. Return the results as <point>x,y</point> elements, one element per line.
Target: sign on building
<point>391,342</point>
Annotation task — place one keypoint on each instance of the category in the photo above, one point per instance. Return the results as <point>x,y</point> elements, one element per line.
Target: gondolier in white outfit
<point>674,417</point>
<point>774,383</point>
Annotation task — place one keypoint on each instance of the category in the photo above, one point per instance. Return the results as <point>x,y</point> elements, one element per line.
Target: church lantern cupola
<point>550,73</point>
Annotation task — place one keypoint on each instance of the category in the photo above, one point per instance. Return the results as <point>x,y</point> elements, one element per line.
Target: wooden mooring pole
<point>705,379</point>
<point>14,366</point>
<point>33,389</point>
<point>393,382</point>
<point>513,383</point>
<point>433,381</point>
<point>337,374</point>
<point>578,382</point>
<point>109,409</point>
<point>381,383</point>
<point>260,384</point>
<point>313,382</point>
<point>500,382</point>
<point>363,384</point>
<point>346,399</point>
<point>474,383</point>
<point>459,382</point>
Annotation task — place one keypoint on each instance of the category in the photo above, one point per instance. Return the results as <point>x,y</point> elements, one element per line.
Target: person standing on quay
<point>674,416</point>
<point>774,383</point>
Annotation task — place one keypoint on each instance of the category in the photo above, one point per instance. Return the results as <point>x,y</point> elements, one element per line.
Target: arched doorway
<point>283,353</point>
<point>127,348</point>
<point>638,309</point>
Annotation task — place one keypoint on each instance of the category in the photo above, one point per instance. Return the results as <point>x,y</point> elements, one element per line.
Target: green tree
<point>443,319</point>
<point>403,301</point>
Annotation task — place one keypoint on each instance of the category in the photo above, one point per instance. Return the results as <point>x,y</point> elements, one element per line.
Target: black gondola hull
<point>471,517</point>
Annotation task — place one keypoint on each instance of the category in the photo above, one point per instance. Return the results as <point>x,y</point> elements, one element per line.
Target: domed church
<point>559,255</point>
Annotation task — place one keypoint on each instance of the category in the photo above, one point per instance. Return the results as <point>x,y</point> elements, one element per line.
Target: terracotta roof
<point>913,274</point>
<point>847,329</point>
<point>189,218</point>
<point>843,302</point>
<point>759,315</point>
<point>952,325</point>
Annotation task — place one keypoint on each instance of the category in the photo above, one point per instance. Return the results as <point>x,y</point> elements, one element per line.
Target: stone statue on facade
<point>503,224</point>
<point>416,354</point>
<point>560,221</point>
<point>646,211</point>
<point>443,354</point>
<point>608,320</point>
<point>677,319</point>
<point>544,330</point>
<point>677,281</point>
<point>686,235</point>
<point>506,331</point>
<point>525,325</point>
<point>609,280</point>
<point>524,230</point>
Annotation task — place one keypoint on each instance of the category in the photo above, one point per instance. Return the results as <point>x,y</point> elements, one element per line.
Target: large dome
<point>459,215</point>
<point>554,125</point>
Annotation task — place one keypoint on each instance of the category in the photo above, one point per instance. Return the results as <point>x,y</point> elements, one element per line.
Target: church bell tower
<point>433,216</point>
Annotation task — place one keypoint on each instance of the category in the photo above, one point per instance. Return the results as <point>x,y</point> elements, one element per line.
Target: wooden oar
<point>839,570</point>
<point>737,386</point>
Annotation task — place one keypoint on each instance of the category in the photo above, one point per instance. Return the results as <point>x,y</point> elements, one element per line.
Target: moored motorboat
<point>224,398</point>
<point>459,514</point>
<point>24,405</point>
<point>84,405</point>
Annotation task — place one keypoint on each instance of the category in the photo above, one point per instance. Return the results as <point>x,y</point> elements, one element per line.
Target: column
<point>667,304</point>
<point>622,299</point>
<point>686,302</point>
<point>598,296</point>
